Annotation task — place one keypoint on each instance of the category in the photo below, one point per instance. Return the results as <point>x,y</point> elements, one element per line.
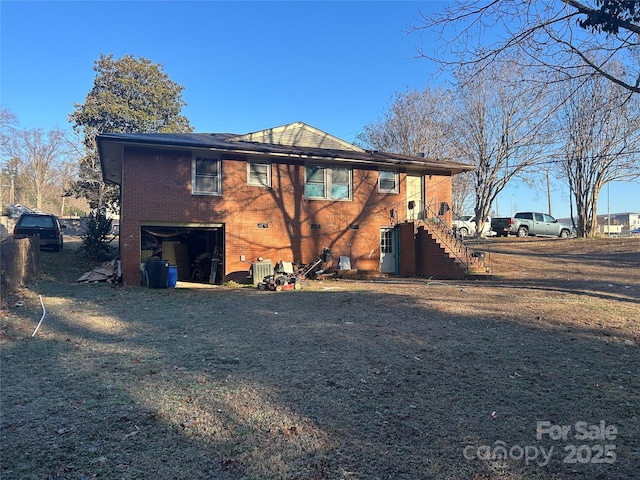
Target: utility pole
<point>549,193</point>
<point>608,209</point>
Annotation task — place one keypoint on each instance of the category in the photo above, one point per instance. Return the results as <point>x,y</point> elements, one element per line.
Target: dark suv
<point>45,225</point>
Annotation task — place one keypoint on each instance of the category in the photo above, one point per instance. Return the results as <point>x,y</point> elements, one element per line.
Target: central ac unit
<point>259,270</point>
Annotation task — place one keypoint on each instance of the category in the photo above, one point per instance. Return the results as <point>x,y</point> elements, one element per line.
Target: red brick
<point>156,186</point>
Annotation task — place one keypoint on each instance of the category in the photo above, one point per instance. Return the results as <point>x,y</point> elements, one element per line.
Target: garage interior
<point>196,251</point>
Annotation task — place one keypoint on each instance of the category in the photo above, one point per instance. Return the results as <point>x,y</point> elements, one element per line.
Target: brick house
<point>285,193</point>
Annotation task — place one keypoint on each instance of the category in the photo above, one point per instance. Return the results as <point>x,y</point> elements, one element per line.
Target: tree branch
<point>590,12</point>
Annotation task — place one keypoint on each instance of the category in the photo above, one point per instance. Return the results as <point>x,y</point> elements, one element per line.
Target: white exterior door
<point>388,250</point>
<point>415,196</point>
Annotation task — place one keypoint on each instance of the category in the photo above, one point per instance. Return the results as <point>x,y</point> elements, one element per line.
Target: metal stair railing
<point>445,235</point>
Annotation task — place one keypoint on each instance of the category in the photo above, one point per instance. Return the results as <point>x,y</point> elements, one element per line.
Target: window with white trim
<point>340,183</point>
<point>205,173</point>
<point>388,181</point>
<point>328,183</point>
<point>259,174</point>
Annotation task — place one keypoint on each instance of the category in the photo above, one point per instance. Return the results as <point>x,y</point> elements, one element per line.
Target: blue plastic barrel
<point>172,279</point>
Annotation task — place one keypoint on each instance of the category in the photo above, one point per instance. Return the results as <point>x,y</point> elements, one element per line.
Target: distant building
<point>618,223</point>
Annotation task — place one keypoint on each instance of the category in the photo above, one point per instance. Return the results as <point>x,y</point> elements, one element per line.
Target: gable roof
<point>295,141</point>
<point>297,134</point>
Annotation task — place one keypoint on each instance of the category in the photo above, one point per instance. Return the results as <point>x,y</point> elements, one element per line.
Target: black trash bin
<point>158,273</point>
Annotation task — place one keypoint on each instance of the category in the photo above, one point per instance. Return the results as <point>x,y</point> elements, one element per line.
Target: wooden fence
<point>19,263</point>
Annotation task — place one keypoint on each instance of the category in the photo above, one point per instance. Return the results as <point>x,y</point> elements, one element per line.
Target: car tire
<point>564,234</point>
<point>523,232</point>
<point>463,232</point>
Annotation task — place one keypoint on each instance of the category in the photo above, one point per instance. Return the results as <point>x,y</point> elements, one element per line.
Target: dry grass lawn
<point>386,379</point>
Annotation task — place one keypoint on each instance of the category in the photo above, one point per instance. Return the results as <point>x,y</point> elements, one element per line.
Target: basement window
<point>205,176</point>
<point>327,183</point>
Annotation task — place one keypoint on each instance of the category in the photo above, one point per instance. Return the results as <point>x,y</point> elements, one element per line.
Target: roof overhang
<point>111,148</point>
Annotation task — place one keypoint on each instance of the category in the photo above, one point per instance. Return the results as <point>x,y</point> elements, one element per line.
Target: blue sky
<point>245,65</point>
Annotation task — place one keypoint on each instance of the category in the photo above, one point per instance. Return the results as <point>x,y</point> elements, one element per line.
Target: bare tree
<point>38,158</point>
<point>418,122</point>
<point>8,120</point>
<point>578,38</point>
<point>500,128</point>
<point>414,124</point>
<point>68,174</point>
<point>462,193</point>
<point>599,134</point>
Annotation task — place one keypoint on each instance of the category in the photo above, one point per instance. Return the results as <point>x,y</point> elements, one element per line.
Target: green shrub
<point>97,237</point>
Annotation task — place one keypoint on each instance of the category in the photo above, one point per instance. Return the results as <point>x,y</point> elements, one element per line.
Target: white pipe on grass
<point>44,312</point>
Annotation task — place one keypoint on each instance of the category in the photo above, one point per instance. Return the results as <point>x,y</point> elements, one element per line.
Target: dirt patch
<point>390,379</point>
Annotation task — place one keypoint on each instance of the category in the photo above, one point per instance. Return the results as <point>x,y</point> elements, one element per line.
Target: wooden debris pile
<point>107,272</point>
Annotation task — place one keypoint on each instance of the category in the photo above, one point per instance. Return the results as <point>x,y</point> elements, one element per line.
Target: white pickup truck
<point>465,226</point>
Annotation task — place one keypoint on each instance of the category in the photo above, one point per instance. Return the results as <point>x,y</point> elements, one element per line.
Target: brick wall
<point>156,189</point>
<point>438,190</point>
<point>406,250</point>
<point>432,259</point>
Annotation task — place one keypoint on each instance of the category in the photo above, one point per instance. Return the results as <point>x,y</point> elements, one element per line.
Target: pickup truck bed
<point>501,225</point>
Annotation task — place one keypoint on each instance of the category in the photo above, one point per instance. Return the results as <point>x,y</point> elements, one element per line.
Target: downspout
<point>396,242</point>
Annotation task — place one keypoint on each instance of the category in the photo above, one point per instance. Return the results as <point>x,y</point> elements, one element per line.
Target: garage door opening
<point>196,251</point>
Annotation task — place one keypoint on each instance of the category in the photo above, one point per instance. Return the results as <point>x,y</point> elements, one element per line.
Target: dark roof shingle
<point>109,147</point>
